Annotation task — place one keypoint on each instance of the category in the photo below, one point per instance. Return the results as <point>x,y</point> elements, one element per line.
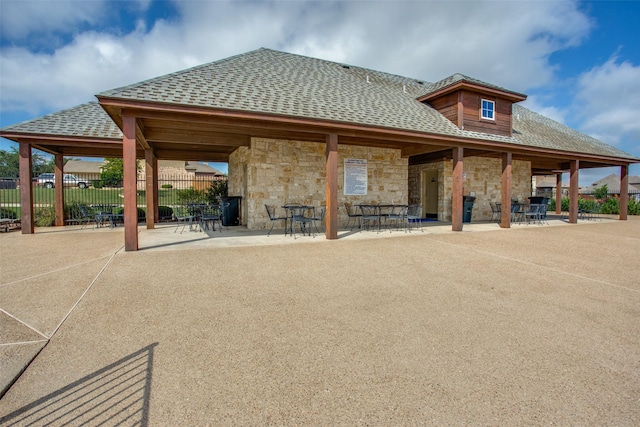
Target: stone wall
<point>483,179</point>
<point>277,172</point>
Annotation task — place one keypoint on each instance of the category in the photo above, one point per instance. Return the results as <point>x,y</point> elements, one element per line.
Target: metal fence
<point>172,191</point>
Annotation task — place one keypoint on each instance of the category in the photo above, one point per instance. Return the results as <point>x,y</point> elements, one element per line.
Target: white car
<point>48,180</point>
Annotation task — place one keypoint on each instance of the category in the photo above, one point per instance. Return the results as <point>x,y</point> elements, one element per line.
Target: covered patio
<point>193,116</point>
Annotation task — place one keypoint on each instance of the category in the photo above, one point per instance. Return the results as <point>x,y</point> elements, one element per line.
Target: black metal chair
<point>370,214</point>
<point>273,218</point>
<point>413,216</point>
<point>353,214</point>
<point>183,215</point>
<point>210,215</point>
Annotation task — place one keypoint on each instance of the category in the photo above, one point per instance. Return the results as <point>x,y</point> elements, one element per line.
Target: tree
<point>10,163</point>
<point>601,193</point>
<point>112,173</point>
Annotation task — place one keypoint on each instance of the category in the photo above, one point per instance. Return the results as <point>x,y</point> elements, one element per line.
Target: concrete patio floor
<point>528,325</point>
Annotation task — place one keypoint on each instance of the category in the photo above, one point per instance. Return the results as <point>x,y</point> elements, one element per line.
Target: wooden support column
<point>624,191</point>
<point>573,192</point>
<point>558,193</point>
<point>505,216</point>
<point>26,189</point>
<point>331,215</point>
<point>130,183</point>
<point>151,187</point>
<point>457,189</point>
<point>58,171</point>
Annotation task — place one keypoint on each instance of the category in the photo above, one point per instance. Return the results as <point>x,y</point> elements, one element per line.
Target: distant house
<point>85,170</point>
<point>178,174</point>
<point>613,186</point>
<point>546,186</point>
<point>184,174</point>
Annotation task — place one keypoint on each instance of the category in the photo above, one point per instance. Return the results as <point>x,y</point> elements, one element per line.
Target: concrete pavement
<point>530,325</point>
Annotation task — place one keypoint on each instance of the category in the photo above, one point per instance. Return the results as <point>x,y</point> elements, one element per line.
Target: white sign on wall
<point>355,177</point>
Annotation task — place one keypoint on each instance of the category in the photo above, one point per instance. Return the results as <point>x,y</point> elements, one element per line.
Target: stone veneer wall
<point>483,177</point>
<point>276,172</point>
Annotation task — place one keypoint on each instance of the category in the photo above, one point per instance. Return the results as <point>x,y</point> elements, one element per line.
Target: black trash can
<point>467,208</point>
<point>231,214</point>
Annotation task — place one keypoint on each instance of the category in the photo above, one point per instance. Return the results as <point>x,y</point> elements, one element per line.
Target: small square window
<point>488,109</point>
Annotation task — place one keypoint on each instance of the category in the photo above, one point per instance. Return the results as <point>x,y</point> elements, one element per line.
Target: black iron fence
<point>172,191</point>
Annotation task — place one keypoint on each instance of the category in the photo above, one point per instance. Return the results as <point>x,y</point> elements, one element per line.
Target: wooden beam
<point>331,215</point>
<point>417,150</point>
<point>558,193</point>
<point>26,189</point>
<point>140,135</point>
<point>624,191</point>
<point>505,216</point>
<point>58,170</point>
<point>197,137</point>
<point>573,192</point>
<point>460,113</point>
<point>130,183</point>
<point>457,189</point>
<point>191,155</point>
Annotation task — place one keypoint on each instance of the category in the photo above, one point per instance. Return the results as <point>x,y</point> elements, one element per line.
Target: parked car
<point>48,180</point>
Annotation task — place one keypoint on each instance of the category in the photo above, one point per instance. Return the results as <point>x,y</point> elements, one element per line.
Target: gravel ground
<point>526,326</point>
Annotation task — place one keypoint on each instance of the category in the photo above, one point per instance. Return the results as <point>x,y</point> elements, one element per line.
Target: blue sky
<point>578,62</point>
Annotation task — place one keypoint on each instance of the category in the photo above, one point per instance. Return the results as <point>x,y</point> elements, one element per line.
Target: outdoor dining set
<point>528,213</point>
<point>202,216</point>
<point>310,219</point>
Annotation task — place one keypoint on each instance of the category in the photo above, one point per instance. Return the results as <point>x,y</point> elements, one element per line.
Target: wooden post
<point>331,214</point>
<point>505,215</point>
<point>457,189</point>
<point>26,189</point>
<point>150,188</point>
<point>58,168</point>
<point>130,183</point>
<point>558,193</point>
<point>624,191</point>
<point>573,192</point>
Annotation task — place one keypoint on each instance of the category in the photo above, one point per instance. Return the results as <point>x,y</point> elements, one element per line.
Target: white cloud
<point>533,103</point>
<point>505,43</point>
<point>21,18</point>
<point>608,100</point>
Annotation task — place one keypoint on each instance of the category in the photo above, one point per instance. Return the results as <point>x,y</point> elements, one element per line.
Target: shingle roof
<point>273,82</point>
<point>456,78</point>
<point>85,120</point>
<point>535,130</point>
<point>612,182</point>
<point>278,83</point>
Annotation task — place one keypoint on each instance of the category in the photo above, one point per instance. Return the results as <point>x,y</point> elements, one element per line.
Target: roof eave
<point>460,85</point>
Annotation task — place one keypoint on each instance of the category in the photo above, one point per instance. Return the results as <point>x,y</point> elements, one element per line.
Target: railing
<point>172,191</point>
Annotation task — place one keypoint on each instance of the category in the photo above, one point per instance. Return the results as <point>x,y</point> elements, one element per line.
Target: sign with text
<point>355,177</point>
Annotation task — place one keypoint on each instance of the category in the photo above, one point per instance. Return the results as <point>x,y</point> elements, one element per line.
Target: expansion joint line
<point>85,292</point>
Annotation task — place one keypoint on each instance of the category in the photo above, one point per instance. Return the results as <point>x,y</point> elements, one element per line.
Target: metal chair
<point>353,215</point>
<point>304,216</point>
<point>271,212</point>
<point>183,215</point>
<point>496,211</point>
<point>413,216</point>
<point>533,214</point>
<point>370,214</point>
<point>211,214</point>
<point>396,216</point>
